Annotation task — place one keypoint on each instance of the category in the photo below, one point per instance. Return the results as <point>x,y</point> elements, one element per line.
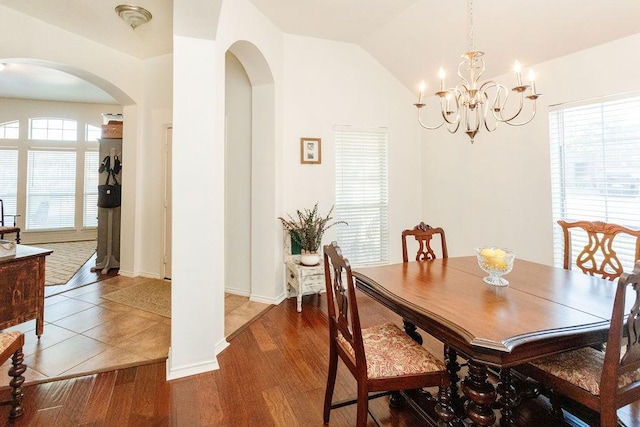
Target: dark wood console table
<point>22,287</point>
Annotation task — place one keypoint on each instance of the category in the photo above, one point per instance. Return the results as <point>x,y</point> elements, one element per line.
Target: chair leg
<point>16,371</point>
<point>331,381</point>
<point>363,405</point>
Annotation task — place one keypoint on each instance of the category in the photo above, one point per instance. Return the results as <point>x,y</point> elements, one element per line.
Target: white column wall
<point>197,315</point>
<point>498,190</point>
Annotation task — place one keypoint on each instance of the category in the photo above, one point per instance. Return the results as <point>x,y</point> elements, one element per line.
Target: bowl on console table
<point>495,261</point>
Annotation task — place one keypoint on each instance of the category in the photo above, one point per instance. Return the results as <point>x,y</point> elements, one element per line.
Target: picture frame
<point>310,150</point>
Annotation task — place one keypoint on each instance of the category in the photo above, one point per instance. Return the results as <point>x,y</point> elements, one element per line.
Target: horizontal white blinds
<point>9,181</point>
<point>595,158</point>
<point>90,200</point>
<point>51,189</point>
<point>362,194</point>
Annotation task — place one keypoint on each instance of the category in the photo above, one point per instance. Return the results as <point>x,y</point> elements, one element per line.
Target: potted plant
<point>307,230</point>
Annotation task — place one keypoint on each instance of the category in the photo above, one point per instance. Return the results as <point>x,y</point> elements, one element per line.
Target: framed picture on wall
<point>310,150</point>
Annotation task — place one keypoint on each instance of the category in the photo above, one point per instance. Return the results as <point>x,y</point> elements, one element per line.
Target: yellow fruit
<point>487,252</point>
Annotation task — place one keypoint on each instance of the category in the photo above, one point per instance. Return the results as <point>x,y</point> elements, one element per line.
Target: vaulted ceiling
<point>411,38</point>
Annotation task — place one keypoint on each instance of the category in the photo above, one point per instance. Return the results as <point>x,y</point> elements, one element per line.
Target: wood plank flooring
<point>272,374</point>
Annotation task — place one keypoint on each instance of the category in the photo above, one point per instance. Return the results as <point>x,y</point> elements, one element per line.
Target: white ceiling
<point>411,38</point>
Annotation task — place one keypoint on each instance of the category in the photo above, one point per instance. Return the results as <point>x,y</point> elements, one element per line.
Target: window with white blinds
<point>90,210</point>
<point>51,190</point>
<point>595,153</point>
<point>9,180</point>
<point>362,194</point>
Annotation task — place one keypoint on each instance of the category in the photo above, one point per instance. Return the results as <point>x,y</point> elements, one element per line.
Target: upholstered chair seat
<point>582,368</point>
<point>391,353</point>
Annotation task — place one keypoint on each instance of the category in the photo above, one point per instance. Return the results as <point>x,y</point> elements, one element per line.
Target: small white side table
<point>305,280</point>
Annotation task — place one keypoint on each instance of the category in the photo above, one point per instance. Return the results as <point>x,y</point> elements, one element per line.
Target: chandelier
<point>475,105</point>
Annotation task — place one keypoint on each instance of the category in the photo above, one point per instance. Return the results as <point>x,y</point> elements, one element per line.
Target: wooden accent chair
<point>8,229</point>
<point>381,358</point>
<point>11,344</point>
<point>598,256</point>
<point>423,234</point>
<point>601,381</point>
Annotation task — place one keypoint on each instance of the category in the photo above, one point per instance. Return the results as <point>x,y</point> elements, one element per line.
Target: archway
<point>250,172</point>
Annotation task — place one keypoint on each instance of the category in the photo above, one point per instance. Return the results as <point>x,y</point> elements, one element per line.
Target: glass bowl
<point>497,262</point>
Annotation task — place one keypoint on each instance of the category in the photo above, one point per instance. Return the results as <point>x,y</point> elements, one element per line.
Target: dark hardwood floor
<point>272,374</point>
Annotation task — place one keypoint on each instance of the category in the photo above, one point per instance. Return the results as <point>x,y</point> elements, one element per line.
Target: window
<point>9,179</point>
<point>595,150</point>
<point>53,129</point>
<point>51,190</point>
<point>362,195</point>
<point>10,130</point>
<point>90,210</point>
<point>92,133</point>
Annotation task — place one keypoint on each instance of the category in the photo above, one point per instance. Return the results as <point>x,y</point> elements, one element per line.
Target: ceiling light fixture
<point>477,105</point>
<point>133,15</point>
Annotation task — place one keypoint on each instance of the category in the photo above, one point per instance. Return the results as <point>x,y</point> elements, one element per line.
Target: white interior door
<point>167,202</point>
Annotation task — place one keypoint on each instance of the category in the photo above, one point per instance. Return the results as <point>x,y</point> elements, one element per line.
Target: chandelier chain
<point>470,10</point>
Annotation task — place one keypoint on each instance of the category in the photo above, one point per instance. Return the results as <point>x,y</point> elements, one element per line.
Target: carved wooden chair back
<point>598,257</point>
<point>423,233</point>
<point>6,228</point>
<point>382,358</point>
<point>607,383</point>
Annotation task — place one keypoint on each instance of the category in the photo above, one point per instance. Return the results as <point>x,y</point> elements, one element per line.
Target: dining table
<point>543,310</point>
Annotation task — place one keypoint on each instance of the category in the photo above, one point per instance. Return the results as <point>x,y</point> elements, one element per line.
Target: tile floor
<point>84,333</point>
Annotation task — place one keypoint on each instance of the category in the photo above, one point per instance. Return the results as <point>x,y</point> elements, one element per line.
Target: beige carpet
<point>65,260</point>
<point>153,296</point>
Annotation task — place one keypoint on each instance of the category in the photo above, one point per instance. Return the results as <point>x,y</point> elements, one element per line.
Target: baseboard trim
<point>266,300</point>
<point>174,373</point>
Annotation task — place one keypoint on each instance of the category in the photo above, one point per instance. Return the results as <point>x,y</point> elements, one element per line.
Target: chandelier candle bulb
<point>441,75</point>
<point>518,69</point>
<point>422,87</point>
<point>532,78</point>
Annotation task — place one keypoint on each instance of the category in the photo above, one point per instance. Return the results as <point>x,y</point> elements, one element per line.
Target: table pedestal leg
<point>453,367</point>
<point>412,330</point>
<point>481,395</point>
<point>508,397</point>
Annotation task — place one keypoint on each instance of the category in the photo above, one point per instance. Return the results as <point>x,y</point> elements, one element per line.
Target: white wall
<point>330,83</point>
<point>498,191</point>
<point>237,178</point>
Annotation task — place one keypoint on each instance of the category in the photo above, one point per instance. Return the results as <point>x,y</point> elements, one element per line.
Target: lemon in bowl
<point>497,262</point>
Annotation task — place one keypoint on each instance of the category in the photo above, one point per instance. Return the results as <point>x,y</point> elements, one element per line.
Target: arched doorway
<point>250,190</point>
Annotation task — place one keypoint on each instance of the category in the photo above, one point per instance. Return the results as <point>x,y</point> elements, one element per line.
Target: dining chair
<point>423,233</point>
<point>598,256</point>
<point>381,358</point>
<point>8,229</point>
<point>600,381</point>
<point>11,344</point>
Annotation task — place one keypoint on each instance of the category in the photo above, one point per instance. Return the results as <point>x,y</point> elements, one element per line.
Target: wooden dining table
<point>543,310</point>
